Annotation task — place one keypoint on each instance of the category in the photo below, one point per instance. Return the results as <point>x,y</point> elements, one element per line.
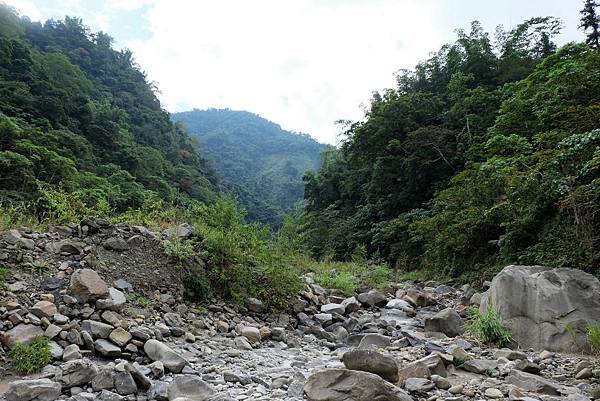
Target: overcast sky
<point>301,63</point>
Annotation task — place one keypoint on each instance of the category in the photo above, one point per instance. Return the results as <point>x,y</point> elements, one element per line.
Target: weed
<point>3,274</point>
<point>458,361</point>
<point>488,327</point>
<point>342,281</point>
<point>40,266</point>
<point>138,299</point>
<point>178,249</point>
<point>593,337</point>
<point>27,359</point>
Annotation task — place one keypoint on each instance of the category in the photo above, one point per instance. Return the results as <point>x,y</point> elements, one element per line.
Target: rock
<point>414,369</point>
<point>528,366</point>
<point>141,333</point>
<point>252,334</point>
<point>182,231</point>
<point>333,308</point>
<point>447,321</point>
<point>545,309</point>
<point>11,236</point>
<point>124,383</point>
<point>493,393</point>
<point>157,368</point>
<point>56,350</point>
<point>278,334</point>
<point>418,385</point>
<point>123,285</point>
<point>584,373</point>
<point>140,378</point>
<point>242,343</point>
<point>105,379</point>
<point>372,361</point>
<point>372,298</point>
<point>190,388</point>
<point>96,329</point>
<point>158,391</point>
<point>67,246</point>
<point>419,298</point>
<point>106,348</point>
<point>33,390</point>
<point>71,353</point>
<point>76,373</point>
<point>351,385</point>
<point>479,366</point>
<point>441,382</point>
<point>115,301</point>
<point>400,304</point>
<point>531,382</point>
<point>158,351</point>
<point>86,285</point>
<point>375,340</point>
<point>350,305</point>
<point>117,244</point>
<point>22,333</point>
<point>509,354</point>
<point>119,336</point>
<point>44,309</point>
<point>106,395</point>
<point>254,305</point>
<point>52,331</point>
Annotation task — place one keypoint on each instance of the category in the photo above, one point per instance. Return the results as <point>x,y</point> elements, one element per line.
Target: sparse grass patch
<point>178,249</point>
<point>40,266</point>
<point>593,337</point>
<point>343,281</point>
<point>3,274</point>
<point>487,327</point>
<point>138,299</point>
<point>348,276</point>
<point>31,358</point>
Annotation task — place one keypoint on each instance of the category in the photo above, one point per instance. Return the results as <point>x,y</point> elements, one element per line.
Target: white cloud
<point>25,7</point>
<point>303,64</point>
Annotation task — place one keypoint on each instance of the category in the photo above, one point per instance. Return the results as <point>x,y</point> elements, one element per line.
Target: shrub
<point>178,249</point>
<point>27,359</point>
<point>488,327</point>
<point>376,276</point>
<point>3,274</point>
<point>138,299</point>
<point>593,336</point>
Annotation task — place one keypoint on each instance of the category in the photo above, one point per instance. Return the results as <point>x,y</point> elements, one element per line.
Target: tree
<point>590,21</point>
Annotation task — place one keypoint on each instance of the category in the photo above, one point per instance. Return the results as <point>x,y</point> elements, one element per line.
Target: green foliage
<point>40,266</point>
<point>343,281</point>
<point>82,132</point>
<point>259,161</point>
<point>138,299</point>
<point>27,359</point>
<point>3,274</point>
<point>593,337</point>
<point>479,158</point>
<point>179,249</point>
<point>242,260</point>
<point>488,327</point>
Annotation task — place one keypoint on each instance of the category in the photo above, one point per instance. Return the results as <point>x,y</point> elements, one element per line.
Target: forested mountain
<point>262,163</point>
<point>79,121</point>
<point>487,153</point>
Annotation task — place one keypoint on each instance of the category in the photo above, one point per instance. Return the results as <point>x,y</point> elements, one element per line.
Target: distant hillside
<point>260,161</point>
<point>81,128</point>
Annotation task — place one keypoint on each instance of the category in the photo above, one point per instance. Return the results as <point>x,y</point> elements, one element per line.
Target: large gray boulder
<point>351,385</point>
<point>22,333</point>
<point>37,390</point>
<point>158,351</point>
<point>372,361</point>
<point>545,308</point>
<point>446,321</point>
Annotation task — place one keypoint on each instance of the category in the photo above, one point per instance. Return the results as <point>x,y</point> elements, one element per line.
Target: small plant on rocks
<point>138,299</point>
<point>27,359</point>
<point>593,336</point>
<point>179,249</point>
<point>488,327</point>
<point>40,266</point>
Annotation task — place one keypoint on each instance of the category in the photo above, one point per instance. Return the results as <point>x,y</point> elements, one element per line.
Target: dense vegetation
<point>487,153</point>
<point>80,123</point>
<point>258,160</point>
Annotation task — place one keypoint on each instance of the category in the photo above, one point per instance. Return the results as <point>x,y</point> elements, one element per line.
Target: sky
<point>303,64</point>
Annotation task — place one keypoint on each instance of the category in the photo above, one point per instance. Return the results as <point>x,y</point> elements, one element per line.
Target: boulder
<point>22,333</point>
<point>372,361</point>
<point>372,298</point>
<point>116,244</point>
<point>251,333</point>
<point>447,321</point>
<point>119,336</point>
<point>44,309</point>
<point>351,385</point>
<point>96,329</point>
<point>76,373</point>
<point>373,340</point>
<point>531,382</point>
<point>254,305</point>
<point>87,285</point>
<point>106,348</point>
<point>124,383</point>
<point>333,308</point>
<point>418,385</point>
<point>189,387</point>
<point>158,351</point>
<point>115,300</point>
<point>33,390</point>
<point>350,305</point>
<point>545,308</point>
<point>67,246</point>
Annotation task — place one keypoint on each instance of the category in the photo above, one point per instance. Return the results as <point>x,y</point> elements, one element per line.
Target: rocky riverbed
<point>402,342</point>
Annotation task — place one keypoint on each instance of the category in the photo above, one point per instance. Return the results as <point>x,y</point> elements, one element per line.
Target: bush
<point>178,249</point>
<point>3,274</point>
<point>27,359</point>
<point>488,327</point>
